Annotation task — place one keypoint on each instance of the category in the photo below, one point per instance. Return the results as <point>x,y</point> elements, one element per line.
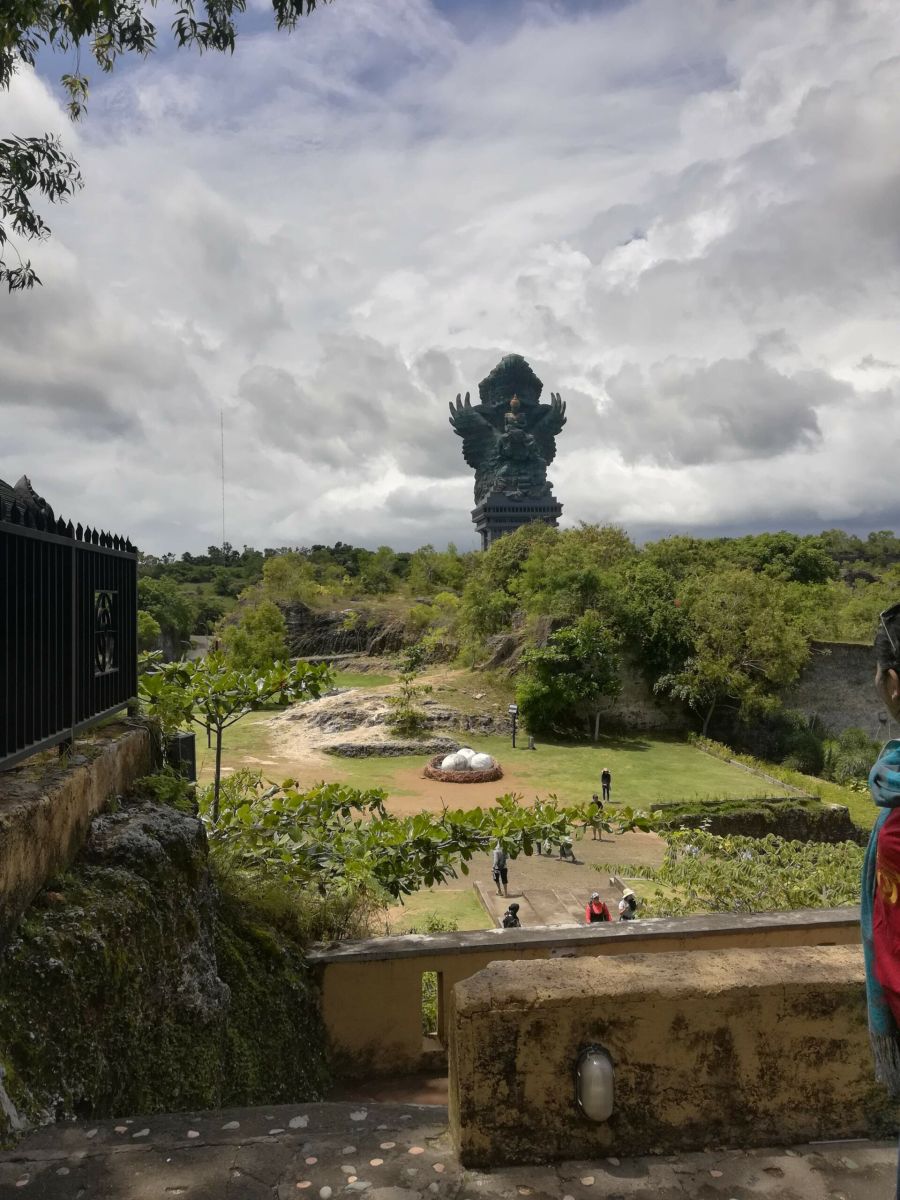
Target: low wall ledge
<point>561,937</point>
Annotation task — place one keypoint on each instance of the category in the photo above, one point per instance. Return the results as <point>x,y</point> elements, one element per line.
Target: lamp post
<point>513,713</point>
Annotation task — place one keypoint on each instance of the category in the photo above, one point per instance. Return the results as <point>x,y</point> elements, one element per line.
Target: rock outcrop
<point>133,985</point>
<point>312,634</point>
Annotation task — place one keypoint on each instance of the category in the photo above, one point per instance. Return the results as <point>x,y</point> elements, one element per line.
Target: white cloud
<point>683,215</point>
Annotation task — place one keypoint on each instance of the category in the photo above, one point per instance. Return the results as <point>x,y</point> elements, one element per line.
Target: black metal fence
<point>68,629</point>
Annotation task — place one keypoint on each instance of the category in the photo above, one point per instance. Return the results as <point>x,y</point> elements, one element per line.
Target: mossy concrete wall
<point>723,1048</point>
<point>46,806</point>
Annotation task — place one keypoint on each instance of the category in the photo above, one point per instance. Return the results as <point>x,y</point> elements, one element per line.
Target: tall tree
<point>746,643</point>
<point>566,681</point>
<point>32,167</point>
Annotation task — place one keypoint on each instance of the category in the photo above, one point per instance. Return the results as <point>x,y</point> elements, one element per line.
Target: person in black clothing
<point>511,918</point>
<point>606,782</point>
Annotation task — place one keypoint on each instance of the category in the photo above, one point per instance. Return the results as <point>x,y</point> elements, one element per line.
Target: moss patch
<point>130,987</point>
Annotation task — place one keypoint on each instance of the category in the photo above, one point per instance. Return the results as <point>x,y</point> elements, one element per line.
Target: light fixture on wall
<point>595,1083</point>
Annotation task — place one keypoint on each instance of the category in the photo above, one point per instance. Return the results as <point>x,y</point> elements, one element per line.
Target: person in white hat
<point>627,905</point>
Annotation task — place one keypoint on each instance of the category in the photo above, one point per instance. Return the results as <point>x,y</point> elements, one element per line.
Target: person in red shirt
<point>880,898</point>
<point>595,910</point>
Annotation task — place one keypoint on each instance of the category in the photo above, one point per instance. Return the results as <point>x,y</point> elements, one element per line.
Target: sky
<point>684,215</point>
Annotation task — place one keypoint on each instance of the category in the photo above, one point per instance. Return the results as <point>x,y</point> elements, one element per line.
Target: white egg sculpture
<point>481,762</point>
<point>466,752</point>
<point>449,763</point>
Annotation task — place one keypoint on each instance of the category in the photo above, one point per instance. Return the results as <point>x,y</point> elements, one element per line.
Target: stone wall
<point>837,686</point>
<point>730,1048</point>
<point>46,807</point>
<point>638,707</point>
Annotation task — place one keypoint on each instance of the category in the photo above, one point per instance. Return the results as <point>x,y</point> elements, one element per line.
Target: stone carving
<point>510,437</point>
<point>29,499</point>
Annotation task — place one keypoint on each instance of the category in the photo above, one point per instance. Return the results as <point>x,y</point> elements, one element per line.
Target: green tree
<point>378,573</point>
<point>745,644</point>
<point>149,631</point>
<point>334,838</point>
<point>257,639</point>
<point>289,577</point>
<point>37,166</point>
<point>215,695</point>
<point>168,605</point>
<point>565,682</point>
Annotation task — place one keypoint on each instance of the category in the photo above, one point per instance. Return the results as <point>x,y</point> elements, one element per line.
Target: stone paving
<point>339,1151</point>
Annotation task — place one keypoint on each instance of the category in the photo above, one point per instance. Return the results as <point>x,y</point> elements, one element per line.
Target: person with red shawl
<point>880,900</point>
<point>595,910</point>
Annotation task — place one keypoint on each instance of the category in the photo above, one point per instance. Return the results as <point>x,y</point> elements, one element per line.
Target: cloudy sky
<point>685,215</point>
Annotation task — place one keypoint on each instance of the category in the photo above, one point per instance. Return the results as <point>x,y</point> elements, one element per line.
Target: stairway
<point>547,906</point>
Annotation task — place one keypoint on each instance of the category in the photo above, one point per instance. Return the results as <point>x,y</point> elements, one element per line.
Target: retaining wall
<point>372,990</point>
<point>46,807</point>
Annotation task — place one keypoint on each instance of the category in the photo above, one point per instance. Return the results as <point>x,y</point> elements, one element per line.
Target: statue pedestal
<point>502,514</point>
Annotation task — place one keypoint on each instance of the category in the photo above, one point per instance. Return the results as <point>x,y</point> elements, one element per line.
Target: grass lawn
<point>450,904</point>
<point>361,679</point>
<point>644,770</point>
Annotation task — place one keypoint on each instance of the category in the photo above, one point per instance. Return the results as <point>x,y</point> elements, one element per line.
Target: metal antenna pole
<point>222,439</point>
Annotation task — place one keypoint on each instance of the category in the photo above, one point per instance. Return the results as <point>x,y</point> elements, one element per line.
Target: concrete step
<point>550,907</point>
<point>496,905</point>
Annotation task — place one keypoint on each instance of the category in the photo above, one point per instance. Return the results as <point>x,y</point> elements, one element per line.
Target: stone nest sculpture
<point>464,766</point>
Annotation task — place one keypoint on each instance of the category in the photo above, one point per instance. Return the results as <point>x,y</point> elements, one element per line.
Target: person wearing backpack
<point>627,905</point>
<point>595,910</point>
<point>511,918</point>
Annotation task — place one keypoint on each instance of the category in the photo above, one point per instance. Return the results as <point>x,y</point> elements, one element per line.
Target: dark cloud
<point>679,414</point>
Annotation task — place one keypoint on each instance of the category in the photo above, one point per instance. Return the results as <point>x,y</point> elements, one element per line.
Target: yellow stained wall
<point>372,1006</point>
<point>730,1047</point>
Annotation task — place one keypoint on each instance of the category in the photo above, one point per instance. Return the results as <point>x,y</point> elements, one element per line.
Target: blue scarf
<point>884,784</point>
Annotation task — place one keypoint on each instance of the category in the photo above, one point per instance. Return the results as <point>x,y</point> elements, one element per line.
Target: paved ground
<point>395,1152</point>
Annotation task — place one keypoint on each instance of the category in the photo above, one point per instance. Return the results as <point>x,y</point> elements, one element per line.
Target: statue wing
<point>548,425</point>
<point>477,433</point>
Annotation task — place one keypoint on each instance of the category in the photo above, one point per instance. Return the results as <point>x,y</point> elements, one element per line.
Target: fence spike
<point>79,532</point>
<point>70,530</point>
<point>95,538</point>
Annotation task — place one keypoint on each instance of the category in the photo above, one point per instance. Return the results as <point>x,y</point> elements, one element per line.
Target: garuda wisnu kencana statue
<point>510,437</point>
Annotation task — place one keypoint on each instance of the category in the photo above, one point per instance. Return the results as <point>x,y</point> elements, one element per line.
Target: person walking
<point>596,818</point>
<point>595,910</point>
<point>511,918</point>
<point>566,852</point>
<point>606,783</point>
<point>880,902</point>
<point>499,870</point>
